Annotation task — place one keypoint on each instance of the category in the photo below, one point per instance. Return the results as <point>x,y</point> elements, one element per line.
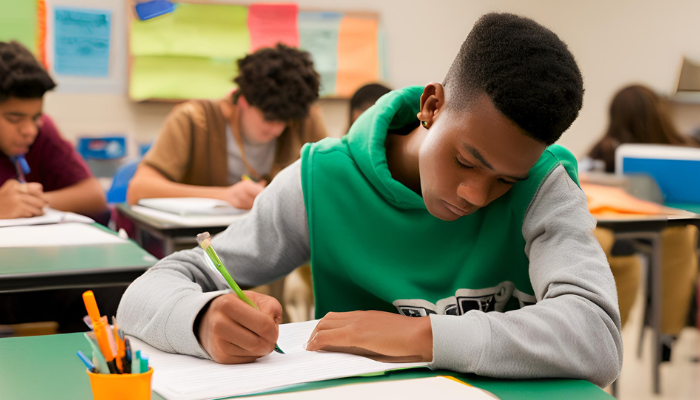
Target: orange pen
<point>100,330</point>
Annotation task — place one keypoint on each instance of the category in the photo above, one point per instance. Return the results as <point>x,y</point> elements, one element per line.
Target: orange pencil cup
<point>124,386</point>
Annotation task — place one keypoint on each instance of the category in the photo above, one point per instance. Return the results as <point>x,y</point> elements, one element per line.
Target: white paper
<point>186,206</point>
<point>194,220</point>
<point>70,234</point>
<point>50,216</point>
<point>437,387</point>
<point>178,377</point>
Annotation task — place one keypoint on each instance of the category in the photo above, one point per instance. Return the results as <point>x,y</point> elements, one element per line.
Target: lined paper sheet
<point>72,234</point>
<point>183,377</point>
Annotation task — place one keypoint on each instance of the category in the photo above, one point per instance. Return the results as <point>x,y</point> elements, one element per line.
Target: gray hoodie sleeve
<point>269,242</point>
<point>573,331</point>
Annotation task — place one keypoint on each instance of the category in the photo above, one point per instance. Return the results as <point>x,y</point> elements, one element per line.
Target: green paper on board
<point>18,22</point>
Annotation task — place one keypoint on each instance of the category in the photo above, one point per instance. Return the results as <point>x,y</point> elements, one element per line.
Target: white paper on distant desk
<point>179,377</point>
<point>189,220</point>
<point>191,206</point>
<point>71,234</point>
<point>50,216</point>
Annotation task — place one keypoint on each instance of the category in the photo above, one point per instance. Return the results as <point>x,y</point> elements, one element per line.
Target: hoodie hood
<point>366,142</point>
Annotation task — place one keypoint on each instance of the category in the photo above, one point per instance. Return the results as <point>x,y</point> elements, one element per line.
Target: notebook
<point>186,206</point>
<point>179,377</point>
<point>50,216</point>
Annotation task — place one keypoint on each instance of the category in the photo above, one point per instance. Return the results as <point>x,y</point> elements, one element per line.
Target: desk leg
<point>655,275</point>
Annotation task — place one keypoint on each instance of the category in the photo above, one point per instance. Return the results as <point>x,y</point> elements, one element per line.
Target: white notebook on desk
<point>191,206</point>
<point>179,377</point>
<point>50,216</point>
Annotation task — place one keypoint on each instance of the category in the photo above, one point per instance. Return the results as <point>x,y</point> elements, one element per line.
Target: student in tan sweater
<point>205,146</point>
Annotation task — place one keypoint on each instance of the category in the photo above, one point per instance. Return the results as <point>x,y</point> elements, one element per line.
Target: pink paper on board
<point>270,24</point>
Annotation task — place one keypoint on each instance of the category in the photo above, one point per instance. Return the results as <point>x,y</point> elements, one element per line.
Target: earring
<point>425,124</point>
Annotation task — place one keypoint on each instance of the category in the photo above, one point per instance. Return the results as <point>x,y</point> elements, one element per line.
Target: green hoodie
<point>375,246</point>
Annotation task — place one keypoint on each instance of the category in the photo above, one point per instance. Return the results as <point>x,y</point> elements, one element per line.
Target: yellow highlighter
<point>100,330</point>
<point>245,177</point>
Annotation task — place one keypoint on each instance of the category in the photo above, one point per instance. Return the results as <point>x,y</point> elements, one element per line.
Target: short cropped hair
<point>280,81</point>
<point>525,69</point>
<point>21,75</point>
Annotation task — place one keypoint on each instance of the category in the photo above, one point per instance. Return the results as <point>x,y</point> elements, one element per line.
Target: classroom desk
<point>61,267</point>
<point>47,367</point>
<point>174,236</point>
<point>649,228</point>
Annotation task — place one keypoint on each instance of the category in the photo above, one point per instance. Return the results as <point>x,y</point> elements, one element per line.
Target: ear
<point>431,103</point>
<point>242,102</point>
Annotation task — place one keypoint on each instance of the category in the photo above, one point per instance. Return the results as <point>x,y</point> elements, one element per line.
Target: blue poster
<point>81,41</point>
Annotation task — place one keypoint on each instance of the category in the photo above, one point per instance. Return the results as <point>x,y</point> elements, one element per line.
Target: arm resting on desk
<point>84,197</point>
<point>574,329</point>
<point>268,243</point>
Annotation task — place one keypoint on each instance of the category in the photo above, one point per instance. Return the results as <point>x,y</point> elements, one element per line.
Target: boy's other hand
<point>378,335</point>
<point>242,194</point>
<point>19,200</point>
<point>233,332</point>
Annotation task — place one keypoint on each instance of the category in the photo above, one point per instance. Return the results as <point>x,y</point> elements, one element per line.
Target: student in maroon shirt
<point>59,178</point>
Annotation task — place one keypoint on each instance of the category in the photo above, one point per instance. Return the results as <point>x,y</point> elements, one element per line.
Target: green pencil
<point>204,240</point>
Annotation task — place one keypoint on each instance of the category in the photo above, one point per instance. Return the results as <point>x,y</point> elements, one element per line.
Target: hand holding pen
<point>232,331</point>
<point>21,200</point>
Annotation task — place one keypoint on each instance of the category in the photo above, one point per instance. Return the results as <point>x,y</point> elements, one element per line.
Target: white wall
<point>615,42</point>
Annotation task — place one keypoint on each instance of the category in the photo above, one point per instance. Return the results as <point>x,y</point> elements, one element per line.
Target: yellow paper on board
<point>180,77</point>
<point>194,30</point>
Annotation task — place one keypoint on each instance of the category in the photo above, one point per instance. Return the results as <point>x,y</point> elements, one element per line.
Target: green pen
<point>204,240</point>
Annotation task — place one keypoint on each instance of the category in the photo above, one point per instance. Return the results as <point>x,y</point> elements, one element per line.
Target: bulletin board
<point>82,43</point>
<point>192,52</point>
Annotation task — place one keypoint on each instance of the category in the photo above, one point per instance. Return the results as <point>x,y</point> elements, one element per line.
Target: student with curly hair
<point>445,227</point>
<point>58,177</point>
<point>205,146</point>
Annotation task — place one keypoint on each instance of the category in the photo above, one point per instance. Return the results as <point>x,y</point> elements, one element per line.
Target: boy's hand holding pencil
<point>238,327</point>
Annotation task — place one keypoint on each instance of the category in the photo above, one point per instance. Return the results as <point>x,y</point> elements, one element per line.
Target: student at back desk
<point>445,216</point>
<point>638,115</point>
<point>206,146</point>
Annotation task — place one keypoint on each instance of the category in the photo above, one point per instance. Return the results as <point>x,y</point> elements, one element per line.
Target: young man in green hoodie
<point>446,217</point>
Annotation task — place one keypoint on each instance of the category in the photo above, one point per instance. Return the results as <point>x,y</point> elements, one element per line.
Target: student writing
<point>443,227</point>
<point>206,146</point>
<point>58,176</point>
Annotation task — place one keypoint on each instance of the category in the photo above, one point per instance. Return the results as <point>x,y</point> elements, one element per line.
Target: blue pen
<point>126,362</point>
<point>21,166</point>
<point>86,361</point>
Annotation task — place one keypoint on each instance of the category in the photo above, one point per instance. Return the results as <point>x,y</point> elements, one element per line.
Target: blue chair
<point>117,192</point>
